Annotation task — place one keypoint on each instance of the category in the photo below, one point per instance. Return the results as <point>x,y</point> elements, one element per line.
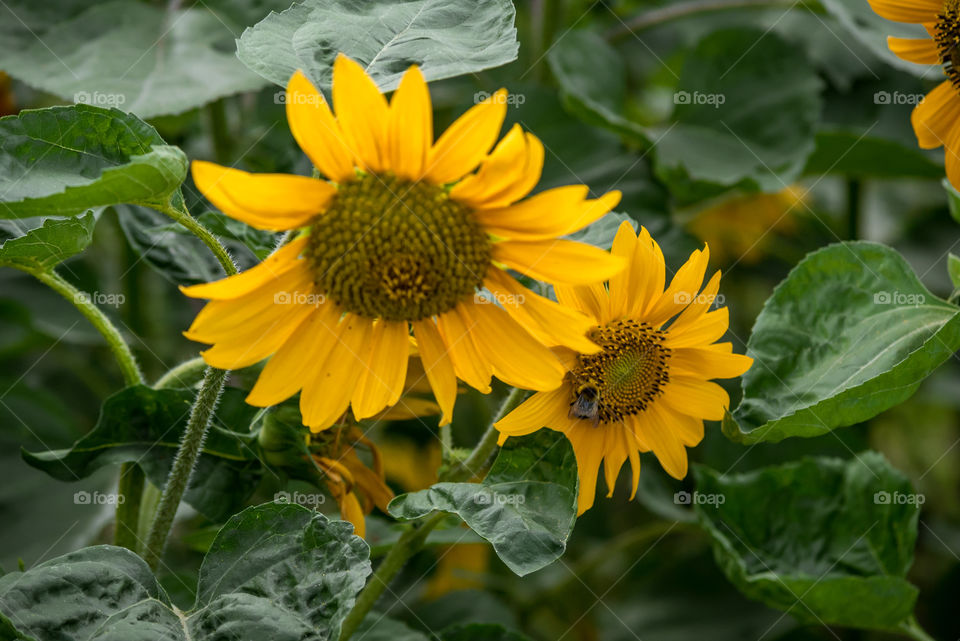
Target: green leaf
<point>850,333</point>
<point>63,161</point>
<point>953,199</point>
<point>144,425</point>
<point>953,268</point>
<point>445,38</point>
<point>379,627</point>
<point>865,25</point>
<point>740,120</point>
<point>852,154</point>
<point>525,507</point>
<point>136,56</point>
<point>45,247</point>
<point>593,79</point>
<point>273,572</point>
<point>829,541</point>
<point>481,632</point>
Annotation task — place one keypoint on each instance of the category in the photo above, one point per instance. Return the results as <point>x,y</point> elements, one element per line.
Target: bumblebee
<point>587,404</point>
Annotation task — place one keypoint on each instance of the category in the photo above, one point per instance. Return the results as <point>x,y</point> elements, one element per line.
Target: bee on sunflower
<point>936,119</point>
<point>400,233</point>
<point>649,388</point>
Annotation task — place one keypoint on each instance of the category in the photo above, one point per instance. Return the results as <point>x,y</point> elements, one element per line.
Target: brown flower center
<point>947,37</point>
<point>389,248</point>
<point>625,377</point>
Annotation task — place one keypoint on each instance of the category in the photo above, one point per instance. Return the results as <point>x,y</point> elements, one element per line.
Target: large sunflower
<point>649,388</point>
<point>399,232</point>
<point>936,119</point>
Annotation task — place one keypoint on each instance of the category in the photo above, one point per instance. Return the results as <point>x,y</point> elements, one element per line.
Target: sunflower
<point>649,388</point>
<point>936,119</point>
<point>401,232</point>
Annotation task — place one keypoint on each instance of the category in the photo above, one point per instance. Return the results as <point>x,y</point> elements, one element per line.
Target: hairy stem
<point>205,235</point>
<point>179,478</point>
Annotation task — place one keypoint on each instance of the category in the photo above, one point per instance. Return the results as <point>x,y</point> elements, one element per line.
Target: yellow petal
<point>316,130</point>
<point>915,11</point>
<point>656,431</point>
<point>382,382</point>
<point>276,202</point>
<point>700,306</point>
<point>696,397</point>
<point>951,157</point>
<point>471,366</point>
<point>327,392</point>
<point>709,328</point>
<point>351,511</point>
<point>591,299</point>
<point>558,261</point>
<point>362,112</point>
<point>624,283</point>
<point>647,274</point>
<point>682,291</point>
<point>543,409</point>
<point>507,175</point>
<point>549,322</point>
<point>438,367</point>
<point>708,363</point>
<point>278,263</point>
<point>936,117</point>
<point>465,143</point>
<point>689,429</point>
<point>550,214</point>
<point>589,449</point>
<point>517,357</point>
<point>919,50</point>
<point>411,126</point>
<point>284,374</point>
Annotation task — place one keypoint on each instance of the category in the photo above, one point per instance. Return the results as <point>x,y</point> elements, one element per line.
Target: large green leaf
<point>274,572</point>
<point>144,425</point>
<point>740,119</point>
<point>593,79</point>
<point>852,154</point>
<point>445,38</point>
<point>140,57</point>
<point>850,333</point>
<point>830,541</point>
<point>63,161</point>
<point>44,247</point>
<point>525,507</point>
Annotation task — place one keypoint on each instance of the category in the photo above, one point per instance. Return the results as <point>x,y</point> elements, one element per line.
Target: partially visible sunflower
<point>936,119</point>
<point>649,388</point>
<point>355,487</point>
<point>401,234</point>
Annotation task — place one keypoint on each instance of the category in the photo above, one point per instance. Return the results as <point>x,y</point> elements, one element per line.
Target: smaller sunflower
<point>649,387</point>
<point>936,119</point>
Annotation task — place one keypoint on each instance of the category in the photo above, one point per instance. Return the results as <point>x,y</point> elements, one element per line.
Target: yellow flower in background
<point>355,487</point>
<point>649,388</point>
<point>401,234</point>
<point>741,229</point>
<point>936,120</point>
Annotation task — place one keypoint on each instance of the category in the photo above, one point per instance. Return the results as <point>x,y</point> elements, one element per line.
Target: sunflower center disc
<point>948,40</point>
<point>627,375</point>
<point>393,249</point>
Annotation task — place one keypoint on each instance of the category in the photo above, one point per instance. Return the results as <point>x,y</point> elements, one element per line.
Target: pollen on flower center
<point>627,375</point>
<point>947,37</point>
<point>398,250</point>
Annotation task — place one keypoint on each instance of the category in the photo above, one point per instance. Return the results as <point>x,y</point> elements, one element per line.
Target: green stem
<point>179,478</point>
<point>409,544</point>
<point>912,629</point>
<point>186,374</point>
<point>413,540</point>
<point>148,507</point>
<point>658,16</point>
<point>446,440</point>
<point>219,131</point>
<point>80,300</point>
<point>130,488</point>
<point>205,235</point>
<point>854,200</point>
